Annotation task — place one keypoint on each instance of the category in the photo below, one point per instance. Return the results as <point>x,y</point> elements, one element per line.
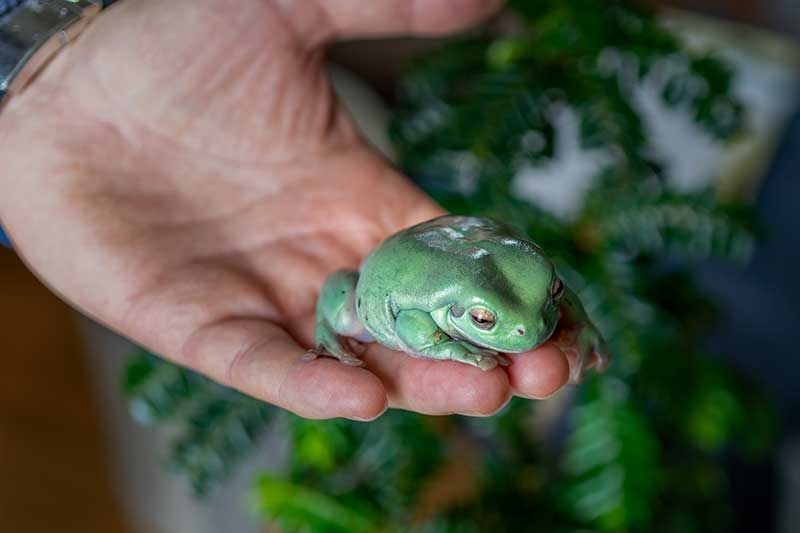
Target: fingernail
<point>538,398</point>
<point>484,415</point>
<point>358,419</point>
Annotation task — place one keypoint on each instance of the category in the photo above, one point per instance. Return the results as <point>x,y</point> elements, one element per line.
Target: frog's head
<point>513,316</point>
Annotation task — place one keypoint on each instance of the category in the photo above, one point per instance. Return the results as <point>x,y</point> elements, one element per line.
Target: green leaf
<point>300,508</point>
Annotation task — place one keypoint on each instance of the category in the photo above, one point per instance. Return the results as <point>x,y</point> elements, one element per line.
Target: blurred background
<point>72,457</point>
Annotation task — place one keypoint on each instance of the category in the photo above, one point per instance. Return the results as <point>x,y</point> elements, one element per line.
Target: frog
<point>470,289</point>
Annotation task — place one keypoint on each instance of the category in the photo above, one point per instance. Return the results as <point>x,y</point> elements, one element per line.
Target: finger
<point>262,360</point>
<point>397,202</point>
<point>356,18</point>
<point>438,387</point>
<point>417,206</point>
<point>539,373</point>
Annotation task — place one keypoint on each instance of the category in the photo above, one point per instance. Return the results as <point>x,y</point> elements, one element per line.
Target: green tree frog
<point>458,288</point>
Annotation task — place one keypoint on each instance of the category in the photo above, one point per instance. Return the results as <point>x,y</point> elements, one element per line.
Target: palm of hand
<point>206,182</point>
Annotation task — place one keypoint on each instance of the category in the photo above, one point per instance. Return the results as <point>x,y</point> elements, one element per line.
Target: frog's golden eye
<point>482,318</point>
<point>557,289</point>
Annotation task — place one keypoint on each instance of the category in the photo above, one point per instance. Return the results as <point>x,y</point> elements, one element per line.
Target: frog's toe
<point>482,361</point>
<point>487,362</point>
<point>338,352</point>
<point>347,358</point>
<point>602,357</point>
<point>483,358</point>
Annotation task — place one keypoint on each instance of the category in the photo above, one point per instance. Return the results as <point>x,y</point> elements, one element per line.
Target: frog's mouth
<point>464,338</point>
<point>461,336</point>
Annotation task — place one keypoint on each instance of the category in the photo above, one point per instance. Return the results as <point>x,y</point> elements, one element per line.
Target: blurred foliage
<point>216,426</point>
<point>639,449</point>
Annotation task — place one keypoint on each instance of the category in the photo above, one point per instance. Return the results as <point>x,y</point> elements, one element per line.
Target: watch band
<point>7,5</point>
<point>31,32</point>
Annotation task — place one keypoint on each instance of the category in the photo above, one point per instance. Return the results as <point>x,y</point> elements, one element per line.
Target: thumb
<point>357,18</point>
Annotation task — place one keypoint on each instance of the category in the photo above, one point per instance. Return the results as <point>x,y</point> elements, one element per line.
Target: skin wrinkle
<point>413,14</point>
<point>302,258</point>
<point>245,247</point>
<point>151,295</point>
<point>317,26</point>
<point>291,308</point>
<point>166,232</point>
<point>224,162</point>
<point>325,117</point>
<point>279,106</point>
<point>334,121</point>
<point>138,128</point>
<point>191,348</point>
<point>426,17</point>
<point>275,247</point>
<point>240,355</point>
<point>281,394</point>
<point>204,223</point>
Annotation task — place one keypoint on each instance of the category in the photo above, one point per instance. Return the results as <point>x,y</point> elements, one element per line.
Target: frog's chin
<point>500,349</point>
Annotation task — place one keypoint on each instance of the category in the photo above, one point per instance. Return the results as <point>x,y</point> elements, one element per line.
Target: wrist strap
<point>10,53</point>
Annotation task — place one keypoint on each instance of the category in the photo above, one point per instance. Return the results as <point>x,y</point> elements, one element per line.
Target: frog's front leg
<point>424,338</point>
<point>336,317</point>
<point>580,338</point>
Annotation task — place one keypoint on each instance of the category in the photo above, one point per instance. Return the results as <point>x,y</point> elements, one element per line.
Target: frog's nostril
<point>521,331</point>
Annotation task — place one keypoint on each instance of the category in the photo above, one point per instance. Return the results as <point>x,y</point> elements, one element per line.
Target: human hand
<point>183,174</point>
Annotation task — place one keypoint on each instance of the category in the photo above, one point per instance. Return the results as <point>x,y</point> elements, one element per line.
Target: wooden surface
<point>53,475</point>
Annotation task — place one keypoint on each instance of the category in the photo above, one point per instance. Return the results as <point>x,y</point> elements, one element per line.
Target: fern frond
<point>158,391</point>
<point>691,225</point>
<point>217,437</point>
<point>611,462</point>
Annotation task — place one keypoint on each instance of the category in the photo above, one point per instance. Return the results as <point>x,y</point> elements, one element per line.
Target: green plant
<point>643,445</point>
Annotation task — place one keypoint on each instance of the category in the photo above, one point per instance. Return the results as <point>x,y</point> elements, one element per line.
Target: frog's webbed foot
<point>337,321</point>
<point>330,344</point>
<point>579,339</point>
<point>482,358</point>
<point>585,349</point>
<point>602,357</point>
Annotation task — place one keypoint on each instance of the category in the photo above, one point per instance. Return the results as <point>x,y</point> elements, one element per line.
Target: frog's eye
<point>557,290</point>
<point>482,318</point>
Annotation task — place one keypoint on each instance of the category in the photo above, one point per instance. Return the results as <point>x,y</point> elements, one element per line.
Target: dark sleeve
<point>8,5</point>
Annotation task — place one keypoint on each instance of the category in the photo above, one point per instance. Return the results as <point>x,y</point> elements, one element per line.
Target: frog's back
<point>420,267</point>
